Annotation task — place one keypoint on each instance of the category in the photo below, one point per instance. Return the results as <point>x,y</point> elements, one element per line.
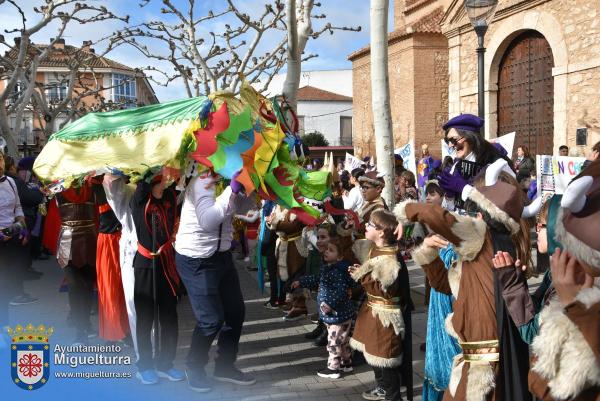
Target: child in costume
<point>565,361</point>
<point>148,199</point>
<point>380,329</point>
<point>490,303</point>
<point>441,347</point>
<point>335,307</point>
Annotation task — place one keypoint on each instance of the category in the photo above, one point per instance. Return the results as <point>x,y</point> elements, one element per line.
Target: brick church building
<point>542,74</point>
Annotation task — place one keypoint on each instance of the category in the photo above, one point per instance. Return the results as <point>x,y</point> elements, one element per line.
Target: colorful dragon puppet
<point>221,132</point>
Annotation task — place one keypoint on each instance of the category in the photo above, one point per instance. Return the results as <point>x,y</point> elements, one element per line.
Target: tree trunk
<point>380,94</point>
<point>9,136</point>
<point>292,76</point>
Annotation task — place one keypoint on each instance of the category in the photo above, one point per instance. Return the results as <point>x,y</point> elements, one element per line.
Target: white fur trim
<point>400,211</point>
<point>450,328</point>
<point>472,233</point>
<point>373,360</point>
<point>281,252</point>
<point>454,276</point>
<point>424,255</point>
<point>361,248</point>
<point>389,317</point>
<point>575,246</point>
<point>480,381</point>
<point>302,246</point>
<point>383,268</point>
<point>564,358</point>
<point>277,215</point>
<point>494,211</point>
<point>589,296</point>
<point>455,373</point>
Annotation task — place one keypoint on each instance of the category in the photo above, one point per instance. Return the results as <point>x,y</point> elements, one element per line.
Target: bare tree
<point>207,61</point>
<point>380,94</point>
<point>19,66</point>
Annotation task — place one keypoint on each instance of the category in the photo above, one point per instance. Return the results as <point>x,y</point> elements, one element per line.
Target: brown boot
<point>295,314</point>
<point>298,310</point>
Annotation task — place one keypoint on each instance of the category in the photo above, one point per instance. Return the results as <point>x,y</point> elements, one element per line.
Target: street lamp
<point>480,13</point>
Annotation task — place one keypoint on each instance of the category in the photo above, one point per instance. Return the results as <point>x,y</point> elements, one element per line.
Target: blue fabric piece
<point>333,282</point>
<point>441,347</point>
<point>261,260</point>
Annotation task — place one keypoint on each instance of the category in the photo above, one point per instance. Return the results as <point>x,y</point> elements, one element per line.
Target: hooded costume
<point>379,326</point>
<point>493,364</point>
<point>566,352</point>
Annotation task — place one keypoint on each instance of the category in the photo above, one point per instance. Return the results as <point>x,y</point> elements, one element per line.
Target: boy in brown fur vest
<point>379,325</point>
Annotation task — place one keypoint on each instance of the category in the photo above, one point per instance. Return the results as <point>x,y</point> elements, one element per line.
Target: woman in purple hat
<point>473,152</point>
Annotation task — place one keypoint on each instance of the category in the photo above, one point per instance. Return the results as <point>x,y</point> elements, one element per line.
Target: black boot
<point>316,332</point>
<point>321,340</point>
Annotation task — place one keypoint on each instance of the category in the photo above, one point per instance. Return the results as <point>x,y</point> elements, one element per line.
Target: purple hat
<point>26,163</point>
<point>500,149</point>
<point>467,122</point>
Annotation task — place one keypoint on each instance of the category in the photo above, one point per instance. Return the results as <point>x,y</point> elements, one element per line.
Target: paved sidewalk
<point>275,352</point>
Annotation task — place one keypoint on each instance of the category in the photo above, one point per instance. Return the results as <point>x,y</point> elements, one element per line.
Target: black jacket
<point>30,199</point>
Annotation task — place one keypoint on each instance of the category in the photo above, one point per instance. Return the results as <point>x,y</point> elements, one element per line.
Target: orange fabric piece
<point>113,323</point>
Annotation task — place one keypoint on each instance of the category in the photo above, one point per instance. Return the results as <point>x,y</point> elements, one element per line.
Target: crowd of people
<point>465,221</point>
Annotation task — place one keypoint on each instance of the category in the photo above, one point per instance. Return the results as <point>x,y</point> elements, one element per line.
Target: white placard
<point>507,141</point>
<point>408,156</point>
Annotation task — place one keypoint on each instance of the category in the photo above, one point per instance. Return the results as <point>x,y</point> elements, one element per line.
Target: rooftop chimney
<point>86,46</point>
<point>59,44</point>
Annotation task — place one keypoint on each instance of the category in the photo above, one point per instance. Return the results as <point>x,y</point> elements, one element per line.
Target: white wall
<point>329,124</point>
<point>336,81</point>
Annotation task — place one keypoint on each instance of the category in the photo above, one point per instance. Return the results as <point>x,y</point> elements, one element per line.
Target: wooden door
<point>526,93</point>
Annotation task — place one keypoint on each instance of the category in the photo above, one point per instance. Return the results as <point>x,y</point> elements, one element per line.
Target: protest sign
<point>555,172</point>
<point>407,152</point>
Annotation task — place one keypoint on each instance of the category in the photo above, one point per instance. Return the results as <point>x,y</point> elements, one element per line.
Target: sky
<point>332,50</point>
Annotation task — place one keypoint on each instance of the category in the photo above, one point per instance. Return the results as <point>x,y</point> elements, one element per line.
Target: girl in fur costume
<point>566,351</point>
<point>380,329</point>
<point>493,363</point>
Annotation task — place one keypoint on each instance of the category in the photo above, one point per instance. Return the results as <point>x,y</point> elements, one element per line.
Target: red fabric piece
<point>206,142</point>
<point>113,323</point>
<point>77,195</point>
<point>51,227</point>
<point>252,229</point>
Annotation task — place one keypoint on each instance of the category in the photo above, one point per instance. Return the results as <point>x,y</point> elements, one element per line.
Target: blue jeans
<point>214,290</point>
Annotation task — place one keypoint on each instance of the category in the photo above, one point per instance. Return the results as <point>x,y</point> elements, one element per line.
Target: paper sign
<point>554,173</point>
<point>407,152</point>
<point>447,150</point>
<point>507,141</point>
<point>352,162</point>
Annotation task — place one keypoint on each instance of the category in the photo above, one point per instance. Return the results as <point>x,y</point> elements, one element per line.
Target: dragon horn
<point>492,172</point>
<point>575,197</point>
<point>533,208</point>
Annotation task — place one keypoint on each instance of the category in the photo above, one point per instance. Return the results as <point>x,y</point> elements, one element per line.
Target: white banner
<point>447,150</point>
<point>554,173</point>
<point>407,152</point>
<point>507,141</point>
<point>351,162</point>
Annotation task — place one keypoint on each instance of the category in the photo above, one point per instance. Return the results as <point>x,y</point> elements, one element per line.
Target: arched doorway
<point>526,93</point>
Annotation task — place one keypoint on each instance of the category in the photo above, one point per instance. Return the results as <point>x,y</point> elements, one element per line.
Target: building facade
<point>542,72</point>
<point>110,84</point>
<point>324,104</point>
<point>418,76</point>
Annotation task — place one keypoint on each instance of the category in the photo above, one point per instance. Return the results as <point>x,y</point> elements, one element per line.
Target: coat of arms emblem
<point>30,355</point>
